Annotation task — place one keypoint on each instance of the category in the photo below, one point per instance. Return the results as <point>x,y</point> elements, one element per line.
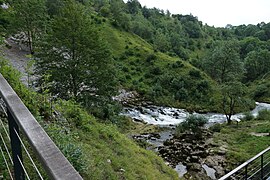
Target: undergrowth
<point>96,150</point>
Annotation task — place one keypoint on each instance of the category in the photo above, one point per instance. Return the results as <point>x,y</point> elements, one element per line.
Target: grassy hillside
<point>98,151</point>
<point>163,79</point>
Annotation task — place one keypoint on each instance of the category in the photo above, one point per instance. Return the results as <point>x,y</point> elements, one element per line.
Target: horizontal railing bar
<point>54,162</point>
<point>244,164</point>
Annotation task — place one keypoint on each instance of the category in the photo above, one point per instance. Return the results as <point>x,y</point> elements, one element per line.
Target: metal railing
<point>256,168</point>
<point>21,121</point>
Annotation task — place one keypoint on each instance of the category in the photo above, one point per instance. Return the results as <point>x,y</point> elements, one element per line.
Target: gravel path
<point>17,58</point>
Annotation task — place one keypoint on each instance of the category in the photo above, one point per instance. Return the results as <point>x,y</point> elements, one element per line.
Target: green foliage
<point>256,64</point>
<point>223,62</point>
<point>177,64</point>
<point>261,90</point>
<point>247,116</point>
<point>238,140</point>
<point>4,20</point>
<point>74,155</point>
<point>96,150</point>
<point>193,123</point>
<point>233,95</point>
<point>195,73</point>
<point>30,17</point>
<point>263,115</point>
<point>216,127</point>
<point>79,61</point>
<point>32,100</point>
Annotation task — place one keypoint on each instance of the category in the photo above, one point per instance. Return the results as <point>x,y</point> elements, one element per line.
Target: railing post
<point>15,148</point>
<point>246,172</point>
<point>262,167</point>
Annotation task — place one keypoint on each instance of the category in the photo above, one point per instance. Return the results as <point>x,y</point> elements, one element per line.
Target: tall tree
<point>233,96</point>
<point>223,62</point>
<point>30,17</point>
<point>225,66</point>
<point>257,64</point>
<point>74,58</point>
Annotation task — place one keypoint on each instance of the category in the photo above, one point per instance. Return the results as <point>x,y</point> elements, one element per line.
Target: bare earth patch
<point>259,134</point>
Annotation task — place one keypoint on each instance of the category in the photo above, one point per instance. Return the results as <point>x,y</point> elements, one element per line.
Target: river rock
<point>219,171</point>
<point>138,120</point>
<point>7,44</point>
<point>195,167</point>
<point>194,159</point>
<point>220,152</point>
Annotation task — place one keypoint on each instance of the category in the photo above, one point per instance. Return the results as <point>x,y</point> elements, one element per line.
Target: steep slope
<point>97,150</point>
<point>163,79</point>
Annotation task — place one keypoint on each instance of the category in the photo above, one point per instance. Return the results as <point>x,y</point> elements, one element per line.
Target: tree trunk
<point>29,34</point>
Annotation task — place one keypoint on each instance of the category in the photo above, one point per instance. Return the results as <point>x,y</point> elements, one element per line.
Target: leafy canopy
<point>73,57</point>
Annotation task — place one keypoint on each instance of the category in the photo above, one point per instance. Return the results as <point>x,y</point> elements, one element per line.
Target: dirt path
<point>17,58</point>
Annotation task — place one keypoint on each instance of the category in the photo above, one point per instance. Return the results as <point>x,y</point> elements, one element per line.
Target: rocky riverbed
<point>191,157</point>
<point>200,156</point>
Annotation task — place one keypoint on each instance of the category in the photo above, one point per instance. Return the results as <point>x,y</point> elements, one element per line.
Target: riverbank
<point>244,140</point>
<point>220,150</point>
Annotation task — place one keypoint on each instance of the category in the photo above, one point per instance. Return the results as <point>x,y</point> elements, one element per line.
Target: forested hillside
<point>171,59</point>
<point>86,51</point>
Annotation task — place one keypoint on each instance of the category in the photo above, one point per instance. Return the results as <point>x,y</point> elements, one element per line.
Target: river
<point>169,117</point>
<point>166,116</point>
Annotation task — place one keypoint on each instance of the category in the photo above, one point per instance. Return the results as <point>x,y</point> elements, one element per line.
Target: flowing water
<point>209,171</point>
<point>166,116</point>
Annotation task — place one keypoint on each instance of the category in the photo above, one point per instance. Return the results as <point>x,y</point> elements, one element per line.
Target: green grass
<point>139,67</point>
<point>96,150</point>
<point>241,144</point>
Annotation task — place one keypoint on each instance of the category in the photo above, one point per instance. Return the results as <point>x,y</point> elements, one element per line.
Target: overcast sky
<point>217,12</point>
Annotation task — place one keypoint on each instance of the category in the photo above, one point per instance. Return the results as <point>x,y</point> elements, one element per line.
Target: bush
<point>181,94</point>
<point>216,127</point>
<point>74,155</point>
<point>261,91</point>
<point>156,71</point>
<point>264,115</point>
<point>195,73</point>
<point>177,64</point>
<point>125,69</point>
<point>247,116</point>
<point>151,58</point>
<point>193,123</point>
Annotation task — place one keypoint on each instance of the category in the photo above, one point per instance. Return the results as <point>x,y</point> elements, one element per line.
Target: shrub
<point>128,76</point>
<point>216,127</point>
<point>125,69</point>
<point>151,58</point>
<point>203,86</point>
<point>156,71</point>
<point>247,116</point>
<point>177,64</point>
<point>74,155</point>
<point>260,91</point>
<point>129,52</point>
<point>193,123</point>
<point>195,73</point>
<point>264,115</point>
<point>181,94</point>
